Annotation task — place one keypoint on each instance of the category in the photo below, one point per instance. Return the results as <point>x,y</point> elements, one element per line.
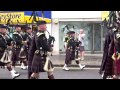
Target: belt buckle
<point>37,52</point>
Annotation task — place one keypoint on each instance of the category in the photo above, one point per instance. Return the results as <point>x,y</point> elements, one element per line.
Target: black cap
<point>41,22</point>
<point>71,32</point>
<point>17,25</point>
<point>27,28</point>
<point>3,26</point>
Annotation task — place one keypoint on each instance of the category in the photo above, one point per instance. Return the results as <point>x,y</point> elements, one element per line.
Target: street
<point>74,73</point>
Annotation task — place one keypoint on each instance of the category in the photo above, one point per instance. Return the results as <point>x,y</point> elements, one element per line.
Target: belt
<point>39,52</point>
<point>18,46</point>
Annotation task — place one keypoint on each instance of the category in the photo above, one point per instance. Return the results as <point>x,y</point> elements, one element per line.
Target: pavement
<point>74,73</point>
<point>90,60</point>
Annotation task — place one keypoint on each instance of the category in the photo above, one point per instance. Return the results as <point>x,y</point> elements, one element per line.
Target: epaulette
<point>39,34</point>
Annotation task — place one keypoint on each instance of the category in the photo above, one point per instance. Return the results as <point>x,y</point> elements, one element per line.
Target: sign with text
<point>15,16</point>
<point>105,15</point>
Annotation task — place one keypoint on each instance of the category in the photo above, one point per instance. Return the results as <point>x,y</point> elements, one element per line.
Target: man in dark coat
<point>38,52</point>
<point>28,37</point>
<point>18,47</point>
<point>5,47</point>
<point>105,51</point>
<point>17,37</point>
<point>107,63</point>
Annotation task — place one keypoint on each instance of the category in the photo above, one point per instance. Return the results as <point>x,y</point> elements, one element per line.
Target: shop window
<point>97,37</point>
<point>65,26</point>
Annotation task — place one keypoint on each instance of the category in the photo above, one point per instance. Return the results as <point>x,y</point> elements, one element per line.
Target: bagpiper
<point>28,37</point>
<point>70,51</point>
<point>5,51</point>
<point>18,47</point>
<point>38,52</point>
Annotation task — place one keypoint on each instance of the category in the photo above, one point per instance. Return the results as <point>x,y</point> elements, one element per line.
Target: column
<point>55,33</point>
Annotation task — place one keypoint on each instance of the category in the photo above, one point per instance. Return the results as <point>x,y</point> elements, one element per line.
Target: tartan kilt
<point>15,55</point>
<point>109,66</point>
<point>38,63</point>
<point>70,55</point>
<point>116,67</point>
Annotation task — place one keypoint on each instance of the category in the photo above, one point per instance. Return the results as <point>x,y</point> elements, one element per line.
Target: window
<point>65,26</point>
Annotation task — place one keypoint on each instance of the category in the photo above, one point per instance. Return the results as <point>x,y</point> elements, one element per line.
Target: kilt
<point>23,56</point>
<point>82,48</point>
<point>15,55</point>
<point>109,66</point>
<point>116,67</point>
<point>70,55</point>
<point>38,63</point>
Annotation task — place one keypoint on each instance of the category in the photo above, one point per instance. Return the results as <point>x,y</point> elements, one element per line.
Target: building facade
<point>90,21</point>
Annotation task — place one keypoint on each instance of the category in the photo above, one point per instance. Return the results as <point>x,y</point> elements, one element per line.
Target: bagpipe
<point>50,42</point>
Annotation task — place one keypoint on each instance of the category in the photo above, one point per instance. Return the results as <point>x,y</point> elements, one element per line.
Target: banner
<point>20,16</point>
<point>40,18</point>
<point>105,15</point>
<point>13,15</point>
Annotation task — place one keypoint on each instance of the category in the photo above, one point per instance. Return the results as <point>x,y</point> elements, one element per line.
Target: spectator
<point>81,39</point>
